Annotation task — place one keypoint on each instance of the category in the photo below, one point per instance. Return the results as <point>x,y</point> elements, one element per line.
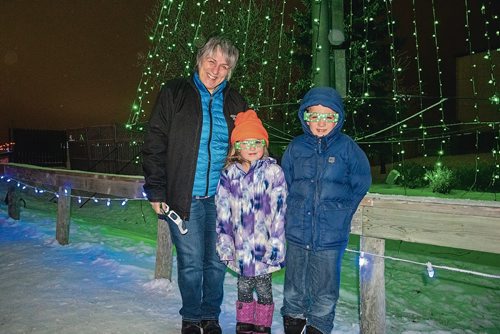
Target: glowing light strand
<point>286,123</point>
<point>317,23</point>
<point>404,120</point>
<point>264,62</point>
<point>191,45</point>
<point>277,133</point>
<point>79,198</point>
<point>495,98</point>
<point>137,104</point>
<point>419,76</point>
<point>474,91</point>
<point>366,65</point>
<point>395,69</point>
<point>245,42</point>
<point>170,47</point>
<point>439,76</point>
<point>349,29</point>
<point>492,81</point>
<point>276,69</point>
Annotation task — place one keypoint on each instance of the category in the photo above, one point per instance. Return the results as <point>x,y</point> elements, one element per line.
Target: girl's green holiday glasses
<point>250,143</point>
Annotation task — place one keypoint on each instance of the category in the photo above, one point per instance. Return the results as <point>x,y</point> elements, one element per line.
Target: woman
<point>184,151</point>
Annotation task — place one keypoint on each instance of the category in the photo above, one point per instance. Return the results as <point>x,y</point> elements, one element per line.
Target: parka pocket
<point>304,167</point>
<point>294,226</point>
<point>333,224</point>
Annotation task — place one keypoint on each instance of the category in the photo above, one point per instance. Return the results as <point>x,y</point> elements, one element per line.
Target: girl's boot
<point>245,317</point>
<point>263,318</point>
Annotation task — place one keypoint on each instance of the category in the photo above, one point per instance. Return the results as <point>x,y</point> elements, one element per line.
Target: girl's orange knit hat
<point>248,125</point>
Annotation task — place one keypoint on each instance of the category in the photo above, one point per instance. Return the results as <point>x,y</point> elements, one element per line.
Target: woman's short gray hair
<point>227,48</point>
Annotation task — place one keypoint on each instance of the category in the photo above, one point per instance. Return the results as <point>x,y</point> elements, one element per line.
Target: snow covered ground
<point>103,283</point>
<point>96,284</point>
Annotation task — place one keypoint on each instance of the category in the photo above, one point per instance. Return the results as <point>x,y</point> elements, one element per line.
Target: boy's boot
<point>293,325</point>
<point>263,318</point>
<point>245,317</point>
<point>189,327</point>
<point>211,326</point>
<point>312,330</point>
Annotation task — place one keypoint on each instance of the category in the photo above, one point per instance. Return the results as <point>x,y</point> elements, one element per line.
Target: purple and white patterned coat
<point>251,217</point>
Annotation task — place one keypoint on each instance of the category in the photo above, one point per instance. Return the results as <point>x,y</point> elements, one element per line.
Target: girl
<point>251,204</point>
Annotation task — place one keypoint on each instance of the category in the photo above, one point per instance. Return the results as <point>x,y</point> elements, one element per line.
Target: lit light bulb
<point>362,260</point>
<point>430,270</point>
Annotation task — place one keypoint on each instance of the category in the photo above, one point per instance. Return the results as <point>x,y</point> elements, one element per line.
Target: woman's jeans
<point>312,283</point>
<point>200,272</point>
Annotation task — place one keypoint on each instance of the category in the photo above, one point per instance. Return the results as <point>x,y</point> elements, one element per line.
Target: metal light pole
<point>328,29</point>
<point>320,43</point>
<point>336,38</point>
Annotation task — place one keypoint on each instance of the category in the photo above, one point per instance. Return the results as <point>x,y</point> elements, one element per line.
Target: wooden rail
<point>125,186</point>
<point>464,224</point>
<point>65,181</point>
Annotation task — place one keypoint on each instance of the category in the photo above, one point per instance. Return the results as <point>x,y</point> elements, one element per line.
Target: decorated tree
<point>266,72</point>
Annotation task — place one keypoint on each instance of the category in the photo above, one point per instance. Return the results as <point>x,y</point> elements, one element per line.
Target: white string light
<point>429,267</point>
<point>430,270</point>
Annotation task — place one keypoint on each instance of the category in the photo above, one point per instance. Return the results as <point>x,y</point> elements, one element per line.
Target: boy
<point>327,176</point>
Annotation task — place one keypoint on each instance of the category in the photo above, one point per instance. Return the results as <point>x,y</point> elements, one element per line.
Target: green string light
<point>439,76</point>
<point>272,78</point>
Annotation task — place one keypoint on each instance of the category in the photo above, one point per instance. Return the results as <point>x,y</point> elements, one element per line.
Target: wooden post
<point>63,215</point>
<point>13,202</point>
<point>163,267</point>
<point>372,287</point>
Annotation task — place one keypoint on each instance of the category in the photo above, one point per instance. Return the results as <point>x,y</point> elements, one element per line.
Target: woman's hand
<point>159,207</point>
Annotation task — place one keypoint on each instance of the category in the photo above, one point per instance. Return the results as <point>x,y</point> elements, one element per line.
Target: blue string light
<point>79,198</point>
<point>363,261</point>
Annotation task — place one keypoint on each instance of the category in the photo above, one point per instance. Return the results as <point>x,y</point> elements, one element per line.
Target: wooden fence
<point>39,147</point>
<point>464,224</point>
